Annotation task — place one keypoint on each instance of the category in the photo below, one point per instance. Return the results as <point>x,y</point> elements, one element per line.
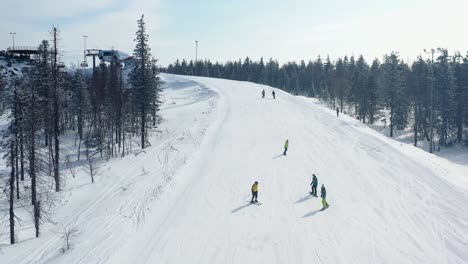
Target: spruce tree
<point>144,80</point>
<point>393,90</point>
<point>444,92</point>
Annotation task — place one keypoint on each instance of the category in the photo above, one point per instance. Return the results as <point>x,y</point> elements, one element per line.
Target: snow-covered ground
<point>186,198</point>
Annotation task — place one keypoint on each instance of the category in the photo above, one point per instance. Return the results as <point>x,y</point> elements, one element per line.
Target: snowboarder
<point>263,94</point>
<point>314,184</point>
<point>273,93</point>
<point>323,194</point>
<point>254,192</point>
<point>286,145</point>
<point>337,111</point>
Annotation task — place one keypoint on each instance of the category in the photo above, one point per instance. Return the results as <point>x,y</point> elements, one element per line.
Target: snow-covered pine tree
<point>372,89</point>
<point>33,122</point>
<point>340,82</point>
<point>260,74</point>
<point>9,148</point>
<point>56,111</point>
<point>143,80</point>
<point>420,97</point>
<point>393,91</point>
<point>328,81</point>
<point>317,78</point>
<point>81,105</point>
<point>460,100</point>
<point>357,93</point>
<point>444,93</point>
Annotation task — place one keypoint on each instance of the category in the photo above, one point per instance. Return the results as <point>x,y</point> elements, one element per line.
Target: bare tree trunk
<point>79,149</point>
<point>416,125</point>
<point>14,161</point>
<point>56,116</point>
<point>37,217</point>
<point>12,195</point>
<point>391,119</point>
<point>143,123</point>
<point>17,170</point>
<point>22,149</point>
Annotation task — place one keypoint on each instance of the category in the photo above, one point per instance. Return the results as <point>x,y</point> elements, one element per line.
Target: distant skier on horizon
<point>254,192</point>
<point>286,146</point>
<point>314,184</point>
<point>263,94</point>
<point>337,112</point>
<point>323,194</point>
<point>274,95</point>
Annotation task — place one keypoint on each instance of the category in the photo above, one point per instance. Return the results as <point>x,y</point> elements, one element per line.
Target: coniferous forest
<point>402,95</point>
<point>105,112</point>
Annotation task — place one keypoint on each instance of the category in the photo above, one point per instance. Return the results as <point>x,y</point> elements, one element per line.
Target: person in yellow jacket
<point>254,192</point>
<point>286,145</point>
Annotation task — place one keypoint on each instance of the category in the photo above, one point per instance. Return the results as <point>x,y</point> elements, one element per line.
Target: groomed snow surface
<point>185,199</point>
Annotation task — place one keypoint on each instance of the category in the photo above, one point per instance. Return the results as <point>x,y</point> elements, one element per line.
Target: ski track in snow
<point>390,203</point>
<point>387,206</point>
<point>106,220</point>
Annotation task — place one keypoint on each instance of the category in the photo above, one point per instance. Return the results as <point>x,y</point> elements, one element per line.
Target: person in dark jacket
<point>263,94</point>
<point>337,111</point>
<point>314,184</point>
<point>254,192</point>
<point>323,194</point>
<point>273,93</point>
<point>286,146</point>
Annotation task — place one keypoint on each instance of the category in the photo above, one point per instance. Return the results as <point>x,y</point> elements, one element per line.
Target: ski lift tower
<point>93,53</point>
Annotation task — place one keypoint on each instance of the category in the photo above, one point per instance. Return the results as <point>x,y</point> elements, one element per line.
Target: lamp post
<point>431,144</point>
<point>13,36</point>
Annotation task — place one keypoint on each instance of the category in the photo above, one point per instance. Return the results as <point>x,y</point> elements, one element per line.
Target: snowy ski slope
<point>390,202</point>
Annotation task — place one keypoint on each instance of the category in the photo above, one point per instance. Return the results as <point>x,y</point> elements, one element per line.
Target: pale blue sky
<point>228,29</point>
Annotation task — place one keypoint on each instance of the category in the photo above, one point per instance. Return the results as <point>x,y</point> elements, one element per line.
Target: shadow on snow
<point>312,213</point>
<point>241,207</point>
<point>304,198</point>
<point>275,157</point>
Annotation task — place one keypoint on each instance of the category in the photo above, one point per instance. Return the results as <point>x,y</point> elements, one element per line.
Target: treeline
<point>407,95</point>
<point>51,109</point>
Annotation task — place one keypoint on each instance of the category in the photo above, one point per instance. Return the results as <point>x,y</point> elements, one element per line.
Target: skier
<point>314,184</point>
<point>286,145</point>
<point>254,193</point>
<point>263,94</point>
<point>323,194</point>
<point>273,93</point>
<point>337,111</point>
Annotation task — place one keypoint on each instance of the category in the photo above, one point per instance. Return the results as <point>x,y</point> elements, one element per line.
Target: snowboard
<point>313,195</point>
<point>323,209</point>
<point>257,203</point>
